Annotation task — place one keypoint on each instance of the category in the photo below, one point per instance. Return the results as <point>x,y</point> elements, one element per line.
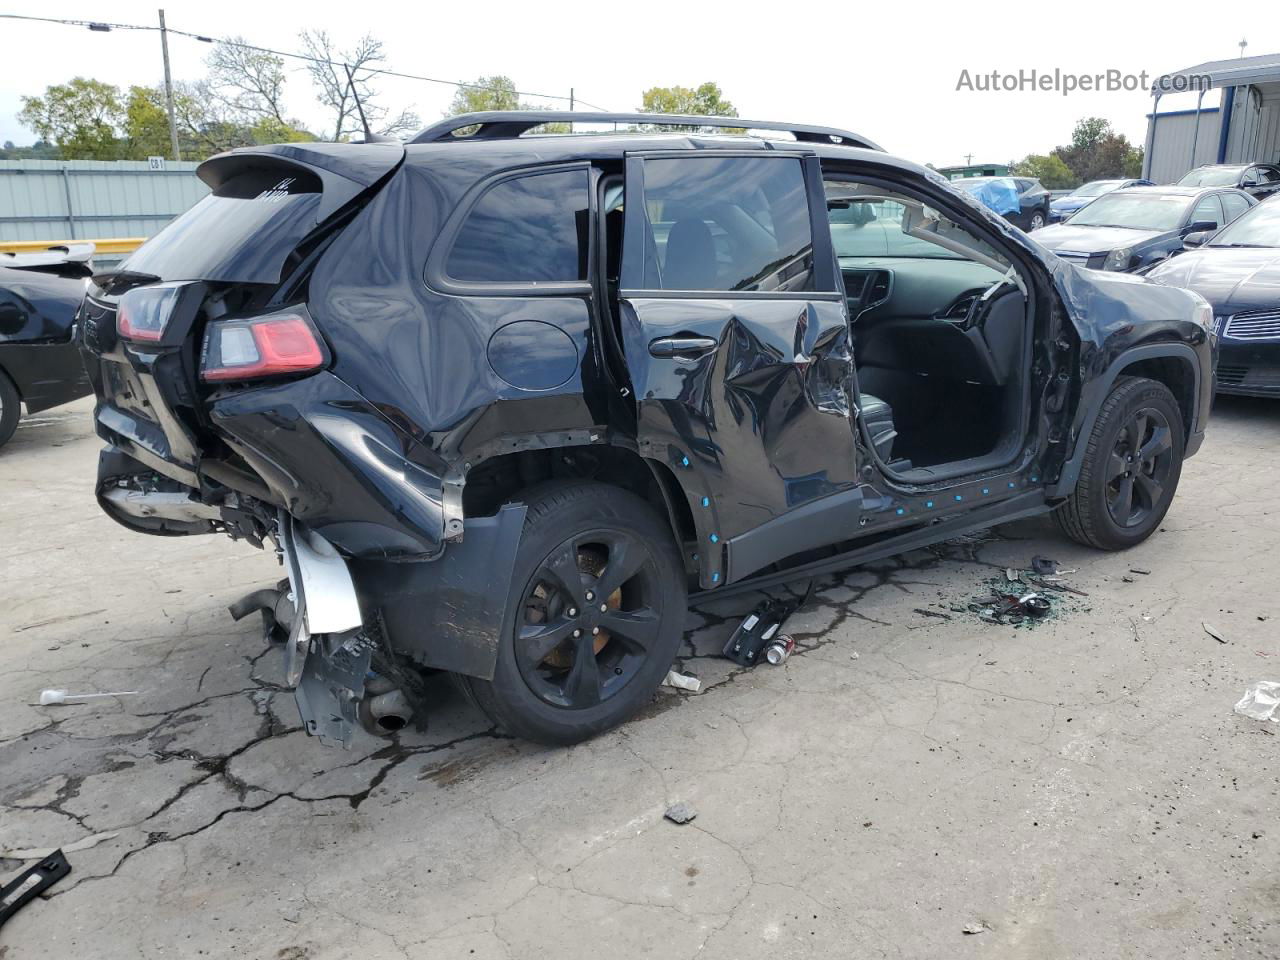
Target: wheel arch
<point>501,477</point>
<point>1176,365</point>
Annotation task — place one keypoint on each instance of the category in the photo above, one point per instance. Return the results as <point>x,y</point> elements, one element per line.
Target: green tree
<point>497,92</point>
<point>40,150</point>
<point>485,93</point>
<point>146,125</point>
<point>1048,169</point>
<point>707,100</point>
<point>82,117</point>
<point>1097,152</point>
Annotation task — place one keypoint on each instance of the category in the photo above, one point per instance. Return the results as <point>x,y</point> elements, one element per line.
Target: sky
<point>890,72</point>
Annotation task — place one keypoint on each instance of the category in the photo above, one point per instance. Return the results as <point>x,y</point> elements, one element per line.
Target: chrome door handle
<point>688,348</point>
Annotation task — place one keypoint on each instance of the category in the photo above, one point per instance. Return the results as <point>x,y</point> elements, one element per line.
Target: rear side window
<point>727,224</point>
<point>530,229</point>
<point>1234,205</point>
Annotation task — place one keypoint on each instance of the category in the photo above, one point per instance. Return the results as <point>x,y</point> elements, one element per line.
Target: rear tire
<point>566,668</point>
<point>1131,468</point>
<point>10,408</point>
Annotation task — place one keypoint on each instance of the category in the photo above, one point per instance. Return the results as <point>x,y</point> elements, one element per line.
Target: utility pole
<point>571,108</point>
<point>968,159</point>
<point>168,90</point>
<point>1242,44</point>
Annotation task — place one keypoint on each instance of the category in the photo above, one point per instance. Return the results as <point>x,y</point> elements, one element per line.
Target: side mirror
<point>1206,226</point>
<point>1196,239</point>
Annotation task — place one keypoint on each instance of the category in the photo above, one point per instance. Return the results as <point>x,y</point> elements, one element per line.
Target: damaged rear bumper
<point>347,496</point>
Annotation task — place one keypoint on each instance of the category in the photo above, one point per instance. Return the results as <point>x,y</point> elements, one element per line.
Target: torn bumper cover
<point>445,615</point>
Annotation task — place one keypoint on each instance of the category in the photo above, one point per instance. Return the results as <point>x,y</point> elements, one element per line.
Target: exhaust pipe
<point>386,713</point>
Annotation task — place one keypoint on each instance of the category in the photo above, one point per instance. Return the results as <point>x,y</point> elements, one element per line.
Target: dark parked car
<point>1260,180</point>
<point>1031,208</point>
<point>503,402</point>
<point>40,364</point>
<point>1237,270</point>
<point>1083,195</point>
<point>1127,230</point>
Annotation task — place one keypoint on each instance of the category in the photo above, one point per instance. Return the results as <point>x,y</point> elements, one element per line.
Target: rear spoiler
<point>64,260</point>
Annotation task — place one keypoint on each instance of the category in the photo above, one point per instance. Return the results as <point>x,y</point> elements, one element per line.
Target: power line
<point>106,27</point>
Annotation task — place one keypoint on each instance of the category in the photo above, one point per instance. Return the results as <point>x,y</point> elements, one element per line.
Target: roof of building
<point>1221,73</point>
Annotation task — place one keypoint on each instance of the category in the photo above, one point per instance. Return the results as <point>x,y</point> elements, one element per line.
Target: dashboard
<point>924,315</point>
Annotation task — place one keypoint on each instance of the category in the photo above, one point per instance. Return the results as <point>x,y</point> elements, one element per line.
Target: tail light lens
<point>266,346</point>
<point>143,314</point>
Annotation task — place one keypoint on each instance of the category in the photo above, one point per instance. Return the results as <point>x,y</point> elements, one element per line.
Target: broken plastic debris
<point>1212,631</point>
<point>1260,701</point>
<point>1044,566</point>
<point>680,813</point>
<point>1012,575</point>
<point>978,927</point>
<point>682,681</point>
<point>1142,570</point>
<point>48,697</point>
<point>39,853</point>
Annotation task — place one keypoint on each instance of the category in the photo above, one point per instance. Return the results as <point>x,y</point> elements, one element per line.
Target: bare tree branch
<point>334,88</point>
<point>247,81</point>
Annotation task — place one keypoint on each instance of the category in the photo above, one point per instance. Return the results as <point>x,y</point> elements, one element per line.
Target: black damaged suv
<point>502,401</point>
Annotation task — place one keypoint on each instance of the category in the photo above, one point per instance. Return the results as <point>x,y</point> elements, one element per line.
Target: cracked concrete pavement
<point>1081,789</point>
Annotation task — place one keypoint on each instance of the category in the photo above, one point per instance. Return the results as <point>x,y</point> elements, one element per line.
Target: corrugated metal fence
<point>56,200</point>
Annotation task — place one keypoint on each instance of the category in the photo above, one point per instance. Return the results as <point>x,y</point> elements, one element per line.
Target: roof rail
<point>509,124</point>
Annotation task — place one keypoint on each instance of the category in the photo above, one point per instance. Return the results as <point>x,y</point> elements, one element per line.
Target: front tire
<point>1131,468</point>
<point>594,618</point>
<point>1038,220</point>
<point>10,408</point>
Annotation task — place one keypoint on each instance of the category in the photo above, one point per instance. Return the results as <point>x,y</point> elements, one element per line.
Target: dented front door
<point>736,335</point>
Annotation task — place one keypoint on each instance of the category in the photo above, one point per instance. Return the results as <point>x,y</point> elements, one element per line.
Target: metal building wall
<point>1171,150</point>
<point>54,200</point>
<point>1259,136</point>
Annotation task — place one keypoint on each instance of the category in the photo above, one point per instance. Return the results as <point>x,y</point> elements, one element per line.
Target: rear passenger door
<point>737,342</point>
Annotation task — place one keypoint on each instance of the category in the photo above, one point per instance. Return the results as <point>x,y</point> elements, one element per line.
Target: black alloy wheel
<point>1132,463</point>
<point>1139,467</point>
<point>595,614</point>
<point>588,618</point>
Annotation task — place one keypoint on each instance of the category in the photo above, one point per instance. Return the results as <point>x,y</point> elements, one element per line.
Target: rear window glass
<point>533,229</point>
<point>727,223</point>
<point>241,233</point>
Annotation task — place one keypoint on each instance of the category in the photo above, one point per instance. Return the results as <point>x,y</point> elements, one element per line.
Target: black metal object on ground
<point>31,883</point>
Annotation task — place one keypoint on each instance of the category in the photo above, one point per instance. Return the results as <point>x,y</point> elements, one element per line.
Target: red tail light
<point>143,313</point>
<point>279,343</point>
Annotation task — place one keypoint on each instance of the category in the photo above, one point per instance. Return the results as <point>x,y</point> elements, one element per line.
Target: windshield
<point>873,228</point>
<point>1260,227</point>
<point>1211,177</point>
<point>1137,211</point>
<point>1095,189</point>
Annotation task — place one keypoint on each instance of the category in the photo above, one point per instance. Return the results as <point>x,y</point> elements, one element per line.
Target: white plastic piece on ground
<point>692,684</point>
<point>1261,701</point>
<point>39,853</point>
<point>332,606</point>
<point>48,697</point>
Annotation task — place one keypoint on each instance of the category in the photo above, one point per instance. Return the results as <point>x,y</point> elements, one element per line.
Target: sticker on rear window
<point>277,193</point>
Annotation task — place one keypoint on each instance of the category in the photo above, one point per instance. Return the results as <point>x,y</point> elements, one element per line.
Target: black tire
<point>10,408</point>
<point>1136,445</point>
<point>1031,221</point>
<point>586,684</point>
